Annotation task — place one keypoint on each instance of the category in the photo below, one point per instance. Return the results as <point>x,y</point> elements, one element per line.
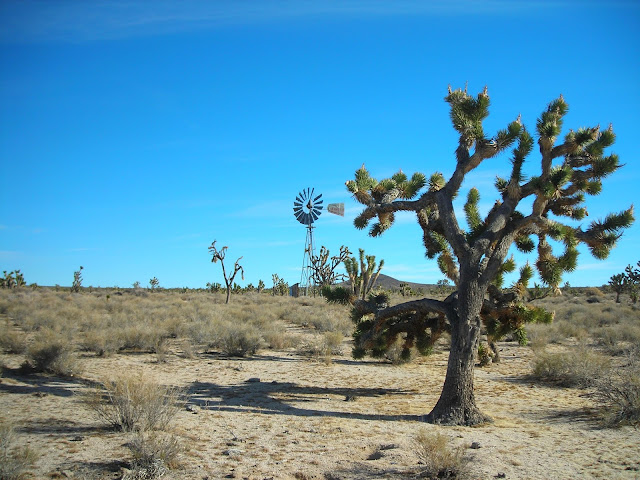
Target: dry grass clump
<point>619,394</point>
<point>12,341</point>
<point>238,340</point>
<point>135,403</point>
<point>440,460</point>
<point>51,353</point>
<point>15,461</point>
<point>578,367</point>
<point>154,454</point>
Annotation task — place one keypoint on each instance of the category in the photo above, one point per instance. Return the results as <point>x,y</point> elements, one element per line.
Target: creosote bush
<point>440,460</point>
<point>132,402</point>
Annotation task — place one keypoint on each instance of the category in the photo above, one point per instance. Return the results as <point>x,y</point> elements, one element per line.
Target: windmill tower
<point>307,208</point>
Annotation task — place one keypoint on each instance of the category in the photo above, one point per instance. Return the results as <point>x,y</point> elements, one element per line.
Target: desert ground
<point>290,411</point>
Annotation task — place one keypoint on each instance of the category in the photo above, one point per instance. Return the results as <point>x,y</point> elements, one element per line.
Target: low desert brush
<point>15,461</point>
<point>154,454</point>
<point>238,340</point>
<point>439,459</point>
<point>577,367</point>
<point>135,403</point>
<point>51,353</point>
<point>619,394</point>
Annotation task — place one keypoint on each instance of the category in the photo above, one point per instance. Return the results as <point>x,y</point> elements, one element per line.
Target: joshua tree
<point>363,280</point>
<point>527,213</point>
<point>77,280</point>
<point>324,268</point>
<point>12,279</point>
<point>260,286</point>
<point>632,277</point>
<point>153,283</point>
<point>218,255</point>
<point>618,284</point>
<point>280,287</point>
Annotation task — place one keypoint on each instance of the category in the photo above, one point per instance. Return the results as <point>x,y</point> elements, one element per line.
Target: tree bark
<point>457,405</point>
<point>228,293</point>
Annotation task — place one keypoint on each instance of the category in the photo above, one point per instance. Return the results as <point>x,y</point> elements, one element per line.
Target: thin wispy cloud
<point>35,20</point>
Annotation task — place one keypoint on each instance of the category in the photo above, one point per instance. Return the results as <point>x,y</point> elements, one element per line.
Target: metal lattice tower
<point>307,209</point>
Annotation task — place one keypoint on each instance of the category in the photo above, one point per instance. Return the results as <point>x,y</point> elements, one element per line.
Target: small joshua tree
<point>77,280</point>
<point>632,276</point>
<point>280,287</point>
<point>260,286</point>
<point>153,283</point>
<point>618,284</point>
<point>364,279</point>
<point>527,213</point>
<point>218,256</point>
<point>324,268</point>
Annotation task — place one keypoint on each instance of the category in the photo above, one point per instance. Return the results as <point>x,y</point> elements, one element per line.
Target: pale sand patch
<point>309,419</point>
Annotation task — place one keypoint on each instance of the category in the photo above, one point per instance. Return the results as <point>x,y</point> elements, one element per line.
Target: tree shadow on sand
<point>286,398</point>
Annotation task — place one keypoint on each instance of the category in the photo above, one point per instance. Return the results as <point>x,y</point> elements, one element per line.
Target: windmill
<point>307,209</point>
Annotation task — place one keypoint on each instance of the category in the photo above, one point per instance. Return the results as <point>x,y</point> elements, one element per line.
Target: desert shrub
<point>153,455</point>
<point>485,355</point>
<point>141,337</point>
<point>593,292</point>
<point>278,338</point>
<point>578,367</point>
<point>619,394</point>
<point>12,341</point>
<point>135,403</point>
<point>438,458</point>
<point>322,346</point>
<point>238,340</point>
<point>397,354</point>
<point>15,461</point>
<point>51,353</point>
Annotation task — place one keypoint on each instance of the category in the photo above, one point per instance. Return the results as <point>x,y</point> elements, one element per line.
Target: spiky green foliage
<point>12,279</point>
<point>538,215</point>
<point>362,273</point>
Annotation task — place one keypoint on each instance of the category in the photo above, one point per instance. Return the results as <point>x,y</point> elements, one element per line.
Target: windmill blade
<point>316,199</point>
<point>300,197</point>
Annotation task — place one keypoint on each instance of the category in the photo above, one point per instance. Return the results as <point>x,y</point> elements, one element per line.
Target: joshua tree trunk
<point>456,405</point>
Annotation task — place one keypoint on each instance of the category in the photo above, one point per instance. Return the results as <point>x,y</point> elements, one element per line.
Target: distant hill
<point>390,283</point>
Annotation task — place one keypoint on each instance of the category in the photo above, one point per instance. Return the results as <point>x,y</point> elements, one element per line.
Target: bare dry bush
<point>154,454</point>
<point>577,367</point>
<point>12,341</point>
<point>135,403</point>
<point>619,394</point>
<point>238,340</point>
<point>440,459</point>
<point>15,460</point>
<point>51,353</point>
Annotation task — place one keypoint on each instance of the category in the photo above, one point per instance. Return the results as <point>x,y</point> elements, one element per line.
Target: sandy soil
<point>306,418</point>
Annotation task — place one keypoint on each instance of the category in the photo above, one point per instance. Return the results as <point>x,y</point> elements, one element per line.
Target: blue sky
<point>133,134</point>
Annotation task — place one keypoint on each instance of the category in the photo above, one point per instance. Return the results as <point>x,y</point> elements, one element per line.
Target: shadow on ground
<point>286,398</point>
